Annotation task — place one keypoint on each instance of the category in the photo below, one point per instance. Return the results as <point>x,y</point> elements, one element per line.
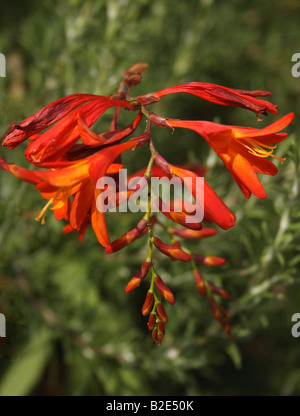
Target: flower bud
<point>147,99</point>
<point>154,335</point>
<point>188,233</point>
<point>214,309</point>
<point>161,328</point>
<point>171,251</point>
<point>161,313</point>
<point>138,278</point>
<point>127,238</point>
<point>209,260</point>
<point>224,312</point>
<point>148,304</point>
<point>137,68</point>
<point>133,80</point>
<point>160,121</point>
<point>151,321</point>
<point>164,290</point>
<point>218,291</point>
<point>199,283</point>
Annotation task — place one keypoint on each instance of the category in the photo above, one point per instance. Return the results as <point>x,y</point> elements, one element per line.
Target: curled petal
<point>225,96</point>
<point>45,118</point>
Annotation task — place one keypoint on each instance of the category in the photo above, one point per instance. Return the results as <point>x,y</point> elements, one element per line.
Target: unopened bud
<point>214,309</point>
<point>147,99</point>
<point>160,121</point>
<point>218,291</point>
<point>164,290</point>
<point>161,328</point>
<point>138,278</point>
<point>199,283</point>
<point>148,304</point>
<point>171,251</point>
<point>161,313</point>
<point>137,68</point>
<point>133,80</point>
<point>151,321</point>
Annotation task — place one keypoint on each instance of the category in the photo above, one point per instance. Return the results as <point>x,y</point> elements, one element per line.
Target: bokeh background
<point>71,329</point>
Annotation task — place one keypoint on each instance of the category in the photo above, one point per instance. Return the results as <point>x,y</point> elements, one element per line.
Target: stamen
<point>42,215</point>
<point>261,150</point>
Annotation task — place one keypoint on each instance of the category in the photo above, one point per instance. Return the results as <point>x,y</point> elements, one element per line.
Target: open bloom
<point>243,150</point>
<point>71,189</point>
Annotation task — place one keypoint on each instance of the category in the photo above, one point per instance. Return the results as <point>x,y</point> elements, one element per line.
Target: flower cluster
<point>70,158</point>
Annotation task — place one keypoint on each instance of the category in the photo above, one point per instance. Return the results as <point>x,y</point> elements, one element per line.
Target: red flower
<point>224,96</point>
<point>56,141</point>
<point>76,180</point>
<point>242,149</point>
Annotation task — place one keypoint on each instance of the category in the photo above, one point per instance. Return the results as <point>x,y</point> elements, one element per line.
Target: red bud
<point>137,68</point>
<point>224,312</point>
<point>138,278</point>
<point>161,328</point>
<point>178,217</point>
<point>161,313</point>
<point>209,260</point>
<point>171,251</point>
<point>154,335</point>
<point>147,99</point>
<point>147,304</point>
<point>227,328</point>
<point>214,308</point>
<point>199,283</point>
<point>127,238</point>
<point>164,290</point>
<point>160,121</point>
<point>151,321</point>
<point>184,233</point>
<point>133,80</point>
<point>218,291</point>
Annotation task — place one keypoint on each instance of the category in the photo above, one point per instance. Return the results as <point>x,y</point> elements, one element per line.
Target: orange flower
<point>243,149</point>
<point>71,189</point>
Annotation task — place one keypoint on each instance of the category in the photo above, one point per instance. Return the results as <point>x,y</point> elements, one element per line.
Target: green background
<point>71,329</point>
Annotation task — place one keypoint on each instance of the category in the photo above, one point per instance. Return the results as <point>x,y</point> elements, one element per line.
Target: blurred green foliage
<point>71,328</point>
